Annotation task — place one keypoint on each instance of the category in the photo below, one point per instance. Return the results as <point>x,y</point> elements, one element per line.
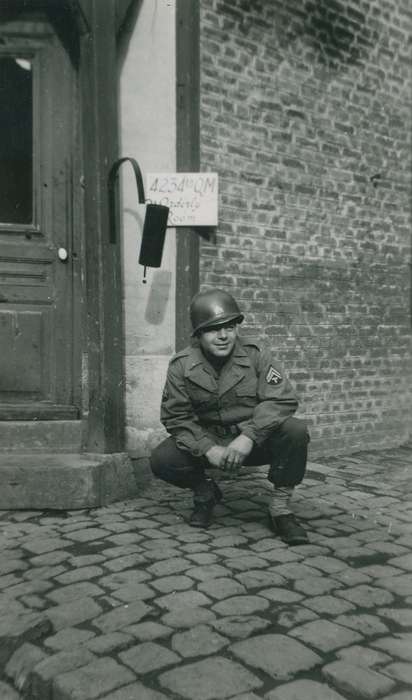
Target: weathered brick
<point>148,656</point>
<point>366,596</point>
<point>188,617</point>
<point>134,592</point>
<point>82,573</point>
<point>14,630</point>
<point>184,599</point>
<point>106,643</point>
<point>362,656</point>
<point>73,613</point>
<point>198,641</point>
<point>41,545</point>
<point>300,158</point>
<point>135,690</point>
<point>310,690</point>
<point>221,588</point>
<point>88,534</point>
<point>276,654</point>
<point>169,567</point>
<point>400,672</point>
<point>325,635</point>
<point>241,626</point>
<point>44,672</point>
<point>21,664</point>
<point>398,646</point>
<point>168,584</point>
<point>122,616</point>
<point>241,605</point>
<point>350,678</point>
<point>74,591</point>
<point>69,637</point>
<point>91,680</point>
<point>215,677</point>
<point>146,631</point>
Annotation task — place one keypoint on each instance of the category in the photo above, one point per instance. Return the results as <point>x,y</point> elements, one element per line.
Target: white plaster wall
<point>147,133</point>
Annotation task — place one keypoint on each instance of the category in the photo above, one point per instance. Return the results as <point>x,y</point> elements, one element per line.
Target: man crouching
<point>227,404</point>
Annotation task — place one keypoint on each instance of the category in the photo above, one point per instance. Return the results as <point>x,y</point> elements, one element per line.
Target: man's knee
<point>175,466</point>
<point>295,430</point>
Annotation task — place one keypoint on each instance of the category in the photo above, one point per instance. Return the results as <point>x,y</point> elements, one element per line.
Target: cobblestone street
<point>128,602</point>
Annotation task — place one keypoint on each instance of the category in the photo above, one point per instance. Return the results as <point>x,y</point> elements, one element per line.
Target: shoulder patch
<point>273,376</point>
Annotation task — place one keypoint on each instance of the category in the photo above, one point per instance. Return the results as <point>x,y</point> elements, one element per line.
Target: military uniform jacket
<point>250,392</point>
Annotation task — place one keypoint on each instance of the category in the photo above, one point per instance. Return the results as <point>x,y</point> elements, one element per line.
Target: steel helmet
<point>213,307</point>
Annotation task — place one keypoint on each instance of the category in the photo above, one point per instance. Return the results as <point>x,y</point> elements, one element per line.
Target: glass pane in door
<point>16,140</point>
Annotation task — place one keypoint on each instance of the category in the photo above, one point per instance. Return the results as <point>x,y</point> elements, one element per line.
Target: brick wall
<point>306,116</point>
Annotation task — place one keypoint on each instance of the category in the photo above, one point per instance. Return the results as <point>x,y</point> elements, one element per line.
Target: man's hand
<point>236,452</point>
<point>216,456</point>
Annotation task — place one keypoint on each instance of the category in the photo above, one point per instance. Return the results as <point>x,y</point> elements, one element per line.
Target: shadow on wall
<point>159,296</point>
<point>336,31</point>
<point>125,32</point>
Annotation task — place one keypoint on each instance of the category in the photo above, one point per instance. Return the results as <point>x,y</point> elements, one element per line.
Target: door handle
<point>62,254</point>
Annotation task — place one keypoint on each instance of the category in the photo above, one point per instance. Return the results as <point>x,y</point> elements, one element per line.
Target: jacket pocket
<point>200,396</point>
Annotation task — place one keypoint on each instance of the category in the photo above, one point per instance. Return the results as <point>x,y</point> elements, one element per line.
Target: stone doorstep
<point>64,481</point>
<point>40,436</point>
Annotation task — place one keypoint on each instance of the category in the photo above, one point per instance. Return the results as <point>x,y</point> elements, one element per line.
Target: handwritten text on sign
<point>191,197</point>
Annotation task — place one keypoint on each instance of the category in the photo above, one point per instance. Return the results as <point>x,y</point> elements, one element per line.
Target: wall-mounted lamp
<point>155,221</point>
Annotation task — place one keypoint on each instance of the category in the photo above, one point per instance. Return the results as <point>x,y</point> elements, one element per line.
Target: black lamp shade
<point>153,237</point>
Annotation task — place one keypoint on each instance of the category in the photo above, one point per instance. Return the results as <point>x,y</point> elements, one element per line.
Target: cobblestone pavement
<point>127,602</point>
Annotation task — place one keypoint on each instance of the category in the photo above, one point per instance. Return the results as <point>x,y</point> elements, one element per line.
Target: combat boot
<point>288,529</point>
<point>206,495</point>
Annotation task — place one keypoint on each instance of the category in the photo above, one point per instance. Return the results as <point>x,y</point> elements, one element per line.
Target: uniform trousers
<point>285,451</point>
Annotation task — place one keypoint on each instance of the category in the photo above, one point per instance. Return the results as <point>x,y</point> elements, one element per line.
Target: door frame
<point>103,320</point>
<point>187,155</point>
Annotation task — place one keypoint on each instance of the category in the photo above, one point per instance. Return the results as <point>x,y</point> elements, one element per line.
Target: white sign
<point>191,197</point>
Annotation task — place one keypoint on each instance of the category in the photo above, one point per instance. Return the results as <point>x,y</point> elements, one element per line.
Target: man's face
<point>219,341</point>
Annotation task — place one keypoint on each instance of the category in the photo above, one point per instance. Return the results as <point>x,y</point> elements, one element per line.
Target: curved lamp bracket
<point>155,221</point>
<point>112,185</point>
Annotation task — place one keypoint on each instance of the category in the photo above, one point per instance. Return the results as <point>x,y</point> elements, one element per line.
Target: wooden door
<point>39,222</point>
